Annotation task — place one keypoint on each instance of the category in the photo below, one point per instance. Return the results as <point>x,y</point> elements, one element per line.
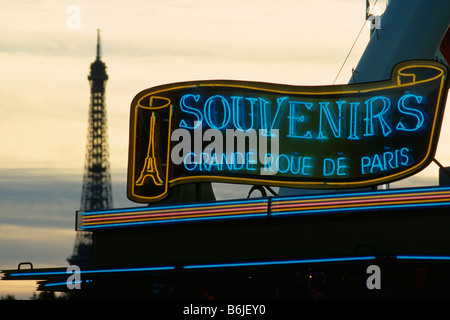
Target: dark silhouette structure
<point>96,190</point>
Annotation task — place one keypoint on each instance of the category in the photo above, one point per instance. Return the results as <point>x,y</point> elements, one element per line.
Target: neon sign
<point>297,136</point>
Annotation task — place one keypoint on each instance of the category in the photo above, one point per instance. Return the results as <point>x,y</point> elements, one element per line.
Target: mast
<point>98,57</point>
<point>408,30</point>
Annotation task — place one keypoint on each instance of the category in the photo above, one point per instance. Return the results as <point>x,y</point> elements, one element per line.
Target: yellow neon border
<point>268,87</point>
<point>131,173</point>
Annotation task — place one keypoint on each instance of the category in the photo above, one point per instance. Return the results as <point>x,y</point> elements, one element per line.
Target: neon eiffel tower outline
<point>150,169</point>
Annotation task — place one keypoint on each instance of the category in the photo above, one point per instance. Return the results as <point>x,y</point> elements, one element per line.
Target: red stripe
<point>363,201</point>
<point>141,216</point>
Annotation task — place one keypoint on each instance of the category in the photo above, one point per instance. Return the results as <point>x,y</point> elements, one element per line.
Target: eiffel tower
<point>96,190</point>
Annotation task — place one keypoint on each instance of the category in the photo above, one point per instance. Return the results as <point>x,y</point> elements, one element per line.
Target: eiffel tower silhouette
<point>96,191</point>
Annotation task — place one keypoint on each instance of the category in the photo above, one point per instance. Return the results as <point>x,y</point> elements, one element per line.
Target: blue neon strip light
<point>371,208</point>
<point>54,273</point>
<point>173,207</point>
<point>230,265</point>
<point>56,284</point>
<point>365,193</point>
<point>278,199</point>
<point>202,266</point>
<point>414,257</point>
<point>48,273</point>
<point>167,221</point>
<point>425,197</point>
<point>282,262</point>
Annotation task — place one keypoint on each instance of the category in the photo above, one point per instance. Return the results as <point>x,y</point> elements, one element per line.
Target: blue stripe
<point>174,207</point>
<point>281,262</point>
<point>178,220</point>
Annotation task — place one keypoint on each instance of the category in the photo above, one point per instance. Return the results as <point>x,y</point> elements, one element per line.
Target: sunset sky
<point>45,61</point>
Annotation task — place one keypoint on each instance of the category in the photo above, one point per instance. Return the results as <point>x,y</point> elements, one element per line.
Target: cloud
<point>40,199</point>
<point>232,30</point>
<point>45,97</point>
<point>37,214</point>
<point>43,246</point>
<point>48,198</point>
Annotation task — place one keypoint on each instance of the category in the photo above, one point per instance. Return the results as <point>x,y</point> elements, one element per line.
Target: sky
<point>45,54</point>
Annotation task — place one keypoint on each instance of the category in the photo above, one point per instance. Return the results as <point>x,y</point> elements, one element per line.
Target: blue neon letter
<point>239,112</point>
<point>211,112</point>
<point>185,106</point>
<point>275,125</point>
<point>353,118</point>
<point>324,109</point>
<point>370,116</point>
<point>295,117</point>
<point>410,111</point>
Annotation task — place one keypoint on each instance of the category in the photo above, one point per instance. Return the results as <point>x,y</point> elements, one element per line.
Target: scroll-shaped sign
<point>340,136</point>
